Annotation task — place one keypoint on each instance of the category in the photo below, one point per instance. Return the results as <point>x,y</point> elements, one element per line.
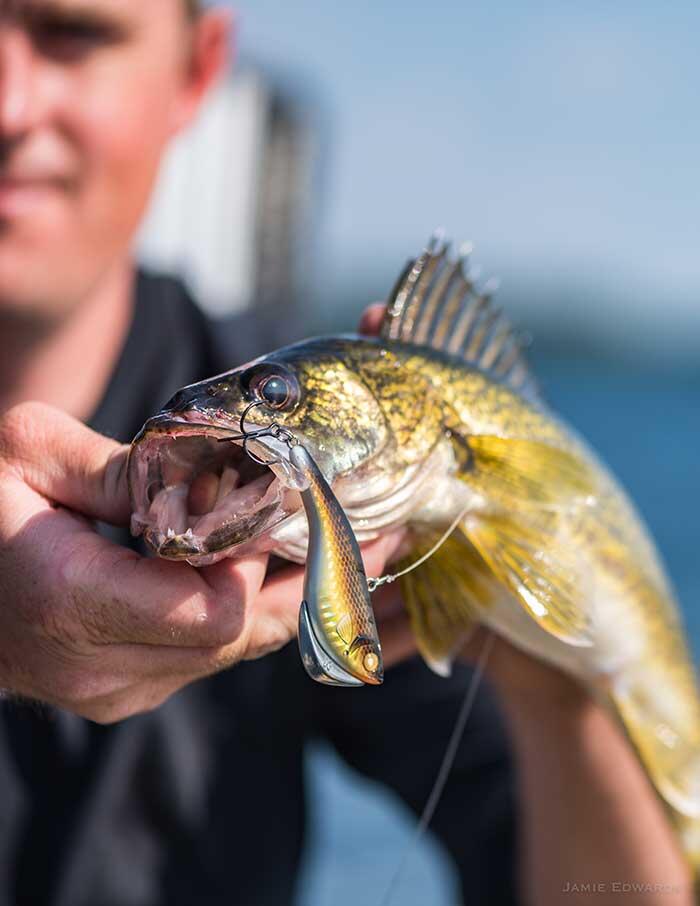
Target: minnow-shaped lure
<point>338,637</point>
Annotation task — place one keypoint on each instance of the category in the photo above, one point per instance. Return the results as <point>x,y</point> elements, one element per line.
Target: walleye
<point>440,418</point>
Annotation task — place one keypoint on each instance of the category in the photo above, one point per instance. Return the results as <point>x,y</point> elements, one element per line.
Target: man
<point>197,797</point>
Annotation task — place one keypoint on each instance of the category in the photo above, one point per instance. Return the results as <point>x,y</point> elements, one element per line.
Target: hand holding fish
<point>94,627</point>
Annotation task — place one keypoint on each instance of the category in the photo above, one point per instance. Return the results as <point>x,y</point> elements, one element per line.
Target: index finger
<point>119,596</point>
<point>81,586</point>
<point>65,462</point>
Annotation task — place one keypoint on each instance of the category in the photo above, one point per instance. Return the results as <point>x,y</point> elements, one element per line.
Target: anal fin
<point>444,597</point>
<point>539,566</point>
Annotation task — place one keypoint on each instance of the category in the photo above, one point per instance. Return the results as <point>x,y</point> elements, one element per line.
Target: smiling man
<point>131,785</point>
<point>104,799</point>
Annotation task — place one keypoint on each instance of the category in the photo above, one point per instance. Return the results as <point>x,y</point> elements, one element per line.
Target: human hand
<point>93,627</point>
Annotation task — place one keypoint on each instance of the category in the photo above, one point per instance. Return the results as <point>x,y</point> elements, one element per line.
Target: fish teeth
<point>188,534</point>
<point>170,533</point>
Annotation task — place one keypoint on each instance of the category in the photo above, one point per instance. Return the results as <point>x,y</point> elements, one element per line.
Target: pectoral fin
<point>512,471</point>
<point>539,566</point>
<point>532,490</point>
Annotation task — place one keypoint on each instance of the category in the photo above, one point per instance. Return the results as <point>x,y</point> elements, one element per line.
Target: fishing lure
<point>338,638</point>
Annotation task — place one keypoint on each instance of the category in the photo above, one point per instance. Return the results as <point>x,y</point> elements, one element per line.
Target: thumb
<point>61,459</point>
<point>372,318</point>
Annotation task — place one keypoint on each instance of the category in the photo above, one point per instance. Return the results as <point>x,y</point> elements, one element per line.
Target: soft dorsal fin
<point>435,303</point>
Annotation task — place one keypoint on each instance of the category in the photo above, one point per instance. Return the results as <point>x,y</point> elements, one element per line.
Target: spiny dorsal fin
<point>435,303</point>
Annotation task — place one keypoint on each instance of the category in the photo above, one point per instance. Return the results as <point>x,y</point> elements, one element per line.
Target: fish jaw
<point>197,496</point>
<point>178,460</point>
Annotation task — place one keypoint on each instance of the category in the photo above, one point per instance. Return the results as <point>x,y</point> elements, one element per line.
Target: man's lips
<point>22,195</point>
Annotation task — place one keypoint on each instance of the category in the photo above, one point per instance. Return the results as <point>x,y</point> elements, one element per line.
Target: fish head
<point>196,492</point>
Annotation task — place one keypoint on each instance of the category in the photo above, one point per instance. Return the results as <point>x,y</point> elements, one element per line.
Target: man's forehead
<point>33,8</point>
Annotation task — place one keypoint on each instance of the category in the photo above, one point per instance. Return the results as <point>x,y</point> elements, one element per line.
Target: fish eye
<point>275,391</point>
<point>273,385</point>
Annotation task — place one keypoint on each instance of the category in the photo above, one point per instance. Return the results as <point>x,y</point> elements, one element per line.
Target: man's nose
<point>20,103</point>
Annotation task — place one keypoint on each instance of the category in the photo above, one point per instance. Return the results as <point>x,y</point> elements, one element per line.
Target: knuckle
<point>19,426</point>
<point>219,621</point>
<point>114,474</point>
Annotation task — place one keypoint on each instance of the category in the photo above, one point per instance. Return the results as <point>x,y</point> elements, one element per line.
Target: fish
<point>436,420</point>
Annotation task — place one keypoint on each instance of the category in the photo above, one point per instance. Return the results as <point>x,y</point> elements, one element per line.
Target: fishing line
<point>374,584</point>
<point>446,765</point>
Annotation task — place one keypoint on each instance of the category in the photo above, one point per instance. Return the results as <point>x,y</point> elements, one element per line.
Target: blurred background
<point>563,141</point>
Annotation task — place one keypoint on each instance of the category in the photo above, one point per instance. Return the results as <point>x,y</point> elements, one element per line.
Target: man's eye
<point>68,40</point>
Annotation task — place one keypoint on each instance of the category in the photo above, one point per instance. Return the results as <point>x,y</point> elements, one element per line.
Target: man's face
<point>90,93</point>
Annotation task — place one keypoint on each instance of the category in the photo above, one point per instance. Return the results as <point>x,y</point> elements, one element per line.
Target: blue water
<point>646,426</point>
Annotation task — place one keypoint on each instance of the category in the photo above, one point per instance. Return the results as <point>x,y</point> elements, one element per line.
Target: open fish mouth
<point>195,498</point>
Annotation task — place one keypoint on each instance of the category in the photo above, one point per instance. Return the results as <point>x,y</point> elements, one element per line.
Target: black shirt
<point>202,801</point>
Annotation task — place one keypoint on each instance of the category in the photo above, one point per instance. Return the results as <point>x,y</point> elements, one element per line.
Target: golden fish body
<point>438,420</point>
<point>612,592</point>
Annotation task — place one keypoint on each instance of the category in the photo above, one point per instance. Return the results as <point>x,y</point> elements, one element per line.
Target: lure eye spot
<point>370,662</point>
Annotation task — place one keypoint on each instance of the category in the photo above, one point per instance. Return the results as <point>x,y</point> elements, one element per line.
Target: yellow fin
<point>435,303</point>
<point>508,470</point>
<point>443,598</point>
<point>540,569</point>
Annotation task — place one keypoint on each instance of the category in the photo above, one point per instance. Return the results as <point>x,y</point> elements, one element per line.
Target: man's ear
<point>209,54</point>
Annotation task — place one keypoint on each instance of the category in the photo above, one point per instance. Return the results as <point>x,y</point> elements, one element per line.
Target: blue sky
<point>562,138</point>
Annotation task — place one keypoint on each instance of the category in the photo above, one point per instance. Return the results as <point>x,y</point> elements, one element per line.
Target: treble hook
<point>279,432</point>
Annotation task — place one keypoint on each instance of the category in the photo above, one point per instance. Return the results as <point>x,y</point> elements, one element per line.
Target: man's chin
<point>36,289</point>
